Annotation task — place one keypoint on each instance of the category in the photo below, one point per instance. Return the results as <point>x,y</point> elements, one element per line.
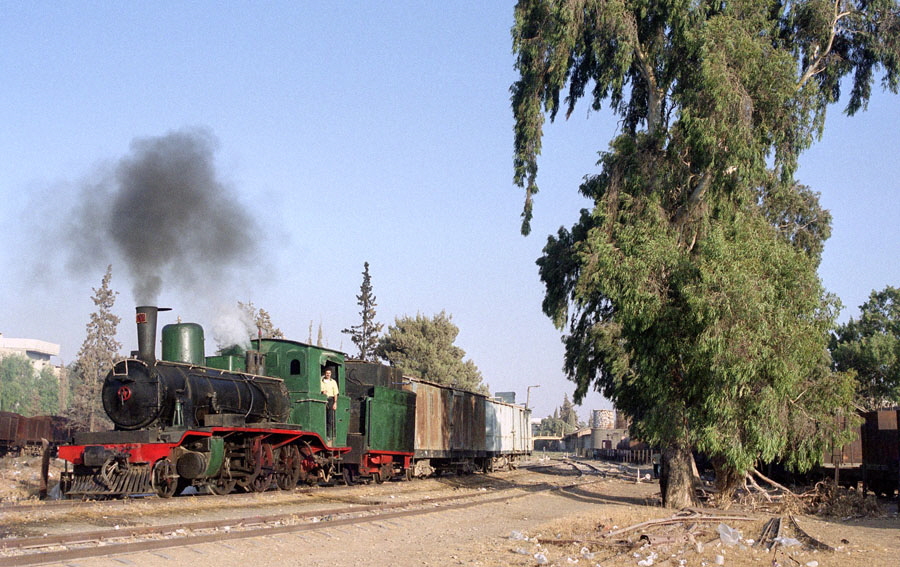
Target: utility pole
<point>528,395</point>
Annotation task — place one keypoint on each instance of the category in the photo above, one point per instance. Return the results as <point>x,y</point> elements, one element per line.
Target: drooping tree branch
<point>818,65</point>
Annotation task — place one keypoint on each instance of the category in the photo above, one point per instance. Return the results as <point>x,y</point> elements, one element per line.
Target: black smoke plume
<point>163,210</point>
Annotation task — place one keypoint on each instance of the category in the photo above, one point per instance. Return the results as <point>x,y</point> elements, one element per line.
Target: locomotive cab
<point>301,367</point>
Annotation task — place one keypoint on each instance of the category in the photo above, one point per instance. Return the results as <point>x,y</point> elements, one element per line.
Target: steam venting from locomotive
<point>163,210</point>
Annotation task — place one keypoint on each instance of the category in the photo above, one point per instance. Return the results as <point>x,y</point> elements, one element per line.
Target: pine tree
<point>96,356</point>
<point>62,394</point>
<point>365,335</point>
<point>568,415</point>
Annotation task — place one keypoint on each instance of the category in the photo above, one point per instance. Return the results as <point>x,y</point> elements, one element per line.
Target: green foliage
<point>870,347</point>
<point>689,290</point>
<point>46,392</point>
<point>423,347</point>
<point>25,391</point>
<point>551,427</point>
<point>564,420</point>
<point>96,357</point>
<point>365,335</point>
<point>16,376</point>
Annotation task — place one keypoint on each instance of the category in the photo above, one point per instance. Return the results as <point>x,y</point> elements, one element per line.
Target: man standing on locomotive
<point>330,390</point>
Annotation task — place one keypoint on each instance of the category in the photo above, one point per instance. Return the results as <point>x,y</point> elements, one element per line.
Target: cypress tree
<point>365,335</point>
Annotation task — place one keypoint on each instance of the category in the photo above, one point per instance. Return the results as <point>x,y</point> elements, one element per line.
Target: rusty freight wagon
<point>461,431</point>
<point>20,434</point>
<point>9,432</point>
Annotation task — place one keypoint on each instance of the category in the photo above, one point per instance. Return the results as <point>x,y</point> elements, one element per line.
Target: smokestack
<point>146,331</point>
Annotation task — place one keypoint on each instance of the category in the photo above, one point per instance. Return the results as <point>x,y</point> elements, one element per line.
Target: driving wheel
<point>164,478</point>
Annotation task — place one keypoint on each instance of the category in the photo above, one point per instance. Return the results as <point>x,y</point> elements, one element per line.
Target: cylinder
<point>603,419</point>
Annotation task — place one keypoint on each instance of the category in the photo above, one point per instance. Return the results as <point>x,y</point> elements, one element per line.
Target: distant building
<point>38,352</point>
<point>603,419</point>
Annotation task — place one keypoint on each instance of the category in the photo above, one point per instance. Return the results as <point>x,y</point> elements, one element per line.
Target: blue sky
<point>346,134</point>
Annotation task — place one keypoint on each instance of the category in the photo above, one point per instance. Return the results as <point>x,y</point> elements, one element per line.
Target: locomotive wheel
<point>253,464</point>
<point>287,472</point>
<point>263,480</point>
<point>409,474</point>
<point>164,478</point>
<point>349,475</point>
<point>221,486</point>
<point>377,478</point>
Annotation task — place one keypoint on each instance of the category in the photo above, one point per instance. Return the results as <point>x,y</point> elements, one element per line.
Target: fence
<point>632,456</point>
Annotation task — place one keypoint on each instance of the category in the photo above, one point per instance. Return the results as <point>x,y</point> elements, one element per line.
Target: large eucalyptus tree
<point>689,291</point>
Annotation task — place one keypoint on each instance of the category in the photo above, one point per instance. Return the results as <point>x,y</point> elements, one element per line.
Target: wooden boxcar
<point>461,431</point>
<point>20,434</point>
<point>507,433</point>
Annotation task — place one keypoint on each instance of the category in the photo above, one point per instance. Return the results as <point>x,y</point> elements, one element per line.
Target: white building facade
<point>38,352</point>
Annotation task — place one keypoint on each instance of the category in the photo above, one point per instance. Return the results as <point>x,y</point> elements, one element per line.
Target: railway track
<point>26,551</point>
<point>609,469</point>
<point>64,506</point>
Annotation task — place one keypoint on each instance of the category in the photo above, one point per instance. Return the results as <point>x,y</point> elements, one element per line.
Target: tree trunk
<point>676,482</point>
<point>727,482</point>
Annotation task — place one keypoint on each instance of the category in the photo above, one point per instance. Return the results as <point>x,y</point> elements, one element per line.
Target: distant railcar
<point>873,457</point>
<point>20,434</point>
<point>9,432</point>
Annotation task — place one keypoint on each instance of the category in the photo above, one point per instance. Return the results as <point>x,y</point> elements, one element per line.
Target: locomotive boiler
<point>181,391</point>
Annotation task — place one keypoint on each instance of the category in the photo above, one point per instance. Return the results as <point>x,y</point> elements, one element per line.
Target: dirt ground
<point>559,527</point>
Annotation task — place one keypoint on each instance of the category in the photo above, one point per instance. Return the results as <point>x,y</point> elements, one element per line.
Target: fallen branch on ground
<point>679,520</point>
<point>757,487</point>
<point>768,480</point>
